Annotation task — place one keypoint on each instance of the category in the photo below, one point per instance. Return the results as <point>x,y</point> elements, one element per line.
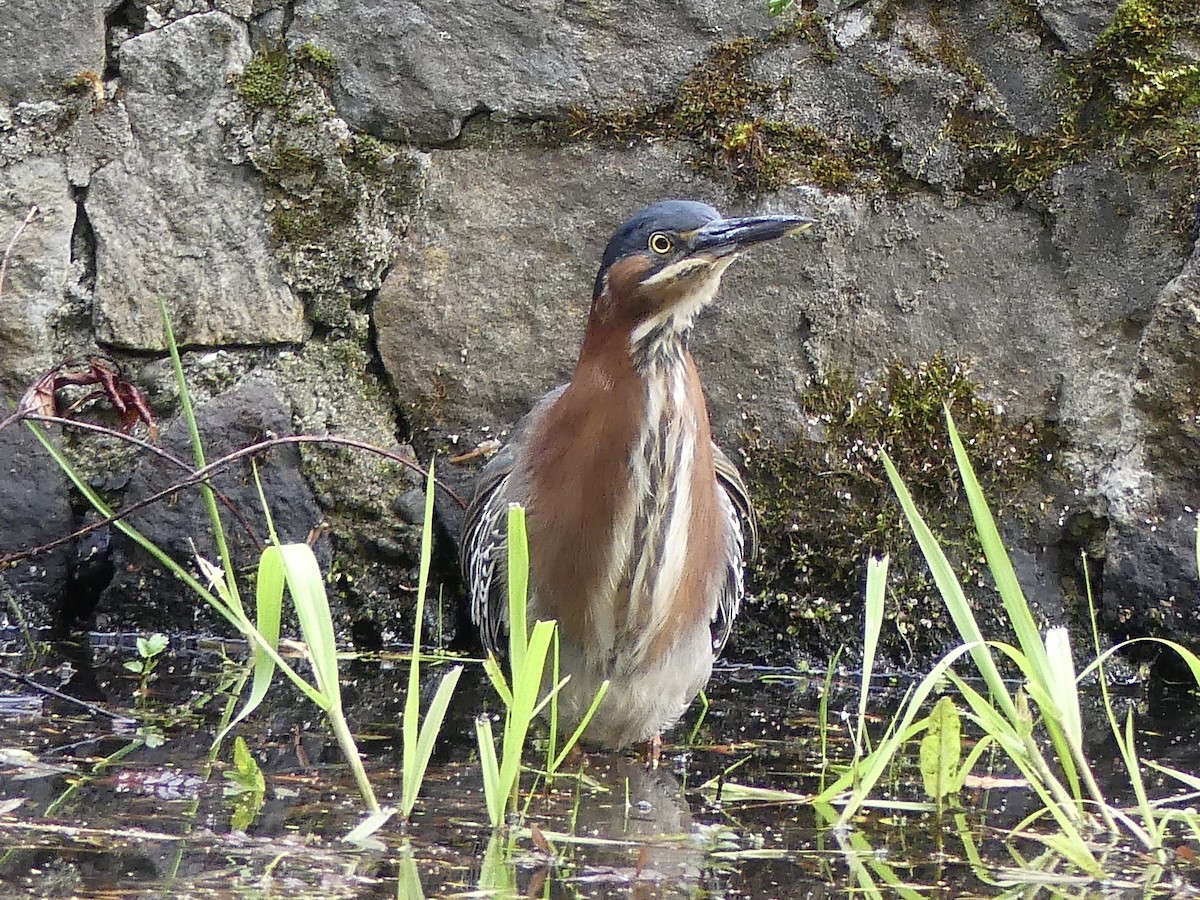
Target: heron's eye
<point>660,243</point>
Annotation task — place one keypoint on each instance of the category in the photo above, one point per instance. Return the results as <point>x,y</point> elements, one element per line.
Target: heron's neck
<point>662,466</point>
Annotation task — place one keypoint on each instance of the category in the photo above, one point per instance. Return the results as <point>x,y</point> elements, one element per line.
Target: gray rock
<point>1107,238</point>
<point>37,510</point>
<point>1151,585</point>
<point>1168,393</point>
<point>179,524</point>
<point>40,267</point>
<point>419,70</point>
<point>44,45</point>
<point>335,199</point>
<point>1022,80</point>
<point>1077,23</point>
<point>172,218</point>
<point>96,139</point>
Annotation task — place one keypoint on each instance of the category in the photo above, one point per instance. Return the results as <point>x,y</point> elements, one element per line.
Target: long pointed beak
<point>726,236</point>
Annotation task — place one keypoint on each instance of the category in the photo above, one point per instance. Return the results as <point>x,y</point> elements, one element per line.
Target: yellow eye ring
<point>660,243</point>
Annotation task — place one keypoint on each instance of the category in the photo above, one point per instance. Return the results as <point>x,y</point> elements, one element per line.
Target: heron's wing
<point>484,553</point>
<point>484,550</point>
<point>743,526</point>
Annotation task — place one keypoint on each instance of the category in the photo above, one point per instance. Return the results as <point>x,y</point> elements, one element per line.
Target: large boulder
<point>173,220</point>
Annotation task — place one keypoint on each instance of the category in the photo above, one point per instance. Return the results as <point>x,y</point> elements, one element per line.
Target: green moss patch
<point>333,196</point>
<point>825,506</point>
<point>732,119</point>
<point>1136,94</point>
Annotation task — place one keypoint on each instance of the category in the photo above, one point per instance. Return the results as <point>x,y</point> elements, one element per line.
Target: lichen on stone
<point>333,389</point>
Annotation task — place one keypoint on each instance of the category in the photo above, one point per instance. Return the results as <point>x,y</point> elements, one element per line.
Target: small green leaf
<point>245,774</point>
<point>247,784</point>
<point>153,645</point>
<point>151,736</point>
<point>941,749</point>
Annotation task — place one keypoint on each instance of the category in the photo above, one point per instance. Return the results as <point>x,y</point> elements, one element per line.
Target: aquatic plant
<point>1047,699</point>
<point>291,570</point>
<point>528,651</point>
<point>418,737</point>
<point>150,650</point>
<point>1088,826</point>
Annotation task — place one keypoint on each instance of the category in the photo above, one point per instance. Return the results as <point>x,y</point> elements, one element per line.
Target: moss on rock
<point>1135,95</point>
<point>733,119</point>
<point>825,505</point>
<point>335,198</point>
<point>333,389</point>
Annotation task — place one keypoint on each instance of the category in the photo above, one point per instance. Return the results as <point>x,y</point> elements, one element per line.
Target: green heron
<point>638,524</point>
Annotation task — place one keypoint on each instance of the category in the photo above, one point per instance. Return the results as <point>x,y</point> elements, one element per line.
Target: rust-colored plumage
<point>638,524</point>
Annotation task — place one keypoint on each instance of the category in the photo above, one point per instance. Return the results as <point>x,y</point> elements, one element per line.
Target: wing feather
<point>743,526</point>
<point>485,550</point>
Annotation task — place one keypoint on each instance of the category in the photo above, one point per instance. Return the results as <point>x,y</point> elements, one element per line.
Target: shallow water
<point>157,819</point>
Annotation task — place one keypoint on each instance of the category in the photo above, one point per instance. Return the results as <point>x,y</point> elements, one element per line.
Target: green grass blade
<point>1186,778</point>
<point>518,588</point>
<point>494,793</point>
<point>968,764</point>
<point>555,678</point>
<point>877,570</point>
<point>495,674</point>
<point>1015,739</point>
<point>951,591</point>
<point>861,856</point>
<point>1051,719</point>
<point>414,768</point>
<point>1028,635</point>
<point>206,492</point>
<point>1152,838</point>
<point>549,697</point>
<point>1064,692</point>
<point>823,715</point>
<point>1073,851</point>
<point>408,882</point>
<point>527,684</point>
<point>268,593</point>
<point>410,726</point>
<point>570,743</point>
<point>307,588</point>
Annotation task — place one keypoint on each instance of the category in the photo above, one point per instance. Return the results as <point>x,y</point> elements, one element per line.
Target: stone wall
<point>382,220</point>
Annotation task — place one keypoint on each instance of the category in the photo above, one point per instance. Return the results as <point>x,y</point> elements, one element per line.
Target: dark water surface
<point>156,820</point>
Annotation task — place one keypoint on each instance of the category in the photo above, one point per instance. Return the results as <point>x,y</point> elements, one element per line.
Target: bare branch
<point>29,217</point>
<point>203,475</point>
